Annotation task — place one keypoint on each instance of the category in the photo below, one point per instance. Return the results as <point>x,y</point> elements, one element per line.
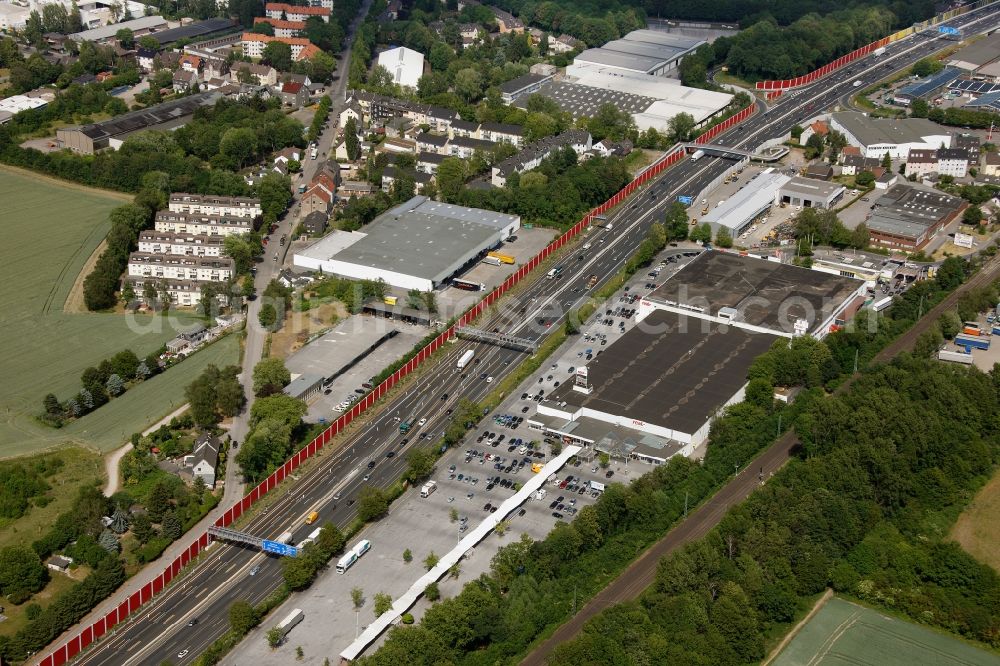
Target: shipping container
<point>955,357</point>
<point>972,328</point>
<point>492,261</point>
<point>970,342</point>
<point>466,357</point>
<point>290,621</point>
<point>503,258</point>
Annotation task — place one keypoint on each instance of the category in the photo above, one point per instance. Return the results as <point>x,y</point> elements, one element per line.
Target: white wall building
<point>180,267</point>
<point>201,225</point>
<point>405,65</point>
<point>877,136</point>
<point>198,204</point>
<point>165,242</point>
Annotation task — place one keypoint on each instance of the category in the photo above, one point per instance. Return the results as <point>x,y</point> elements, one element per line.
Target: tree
<point>299,654</point>
<point>270,376</point>
<point>887,160</point>
<point>796,132</point>
<point>172,528</point>
<point>680,127</point>
<point>814,146</point>
<point>278,55</point>
<point>274,191</point>
<point>864,179</point>
<point>572,325</point>
<point>21,571</point>
<point>109,542</point>
<point>431,560</point>
<point>383,603</point>
<point>760,392</point>
<point>298,572</point>
<point>274,637</point>
<point>419,465</point>
<point>142,528</point>
<point>675,222</point>
<point>604,459</point>
<point>451,175</point>
<point>835,142</point>
<point>950,324</point>
<point>972,215</point>
<point>357,598</point>
<point>468,84</point>
<point>239,144</point>
<point>268,317</point>
<point>353,146</point>
<point>242,617</point>
<point>242,248</point>
<point>119,521</point>
<point>723,238</point>
<point>702,233</point>
<point>926,67</point>
<point>372,503</point>
<point>126,38</point>
<point>158,502</point>
<point>432,592</point>
<point>149,42</point>
<point>919,108</point>
<point>115,385</point>
<point>263,29</point>
<point>51,405</point>
<point>407,556</point>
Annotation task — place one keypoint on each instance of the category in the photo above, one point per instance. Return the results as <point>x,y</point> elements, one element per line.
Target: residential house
<point>262,75</point>
<point>286,155</point>
<point>355,188</point>
<point>204,459</point>
<point>563,44</point>
<point>190,63</point>
<point>316,199</point>
<point>464,128</point>
<point>214,68</point>
<point>506,21</point>
<point>390,174</point>
<point>432,143</point>
<point>953,162</point>
<point>193,337</point>
<point>397,128</point>
<point>281,27</point>
<point>296,12</point>
<point>294,95</point>
<point>185,80</point>
<point>609,148</point>
<point>819,171</point>
<point>855,164</point>
<point>970,144</point>
<point>886,180</point>
<point>145,58</point>
<point>502,133</point>
<point>428,162</point>
<point>991,164</point>
<point>466,148</point>
<point>352,111</point>
<point>314,224</point>
<point>253,45</point>
<point>920,162</point>
<point>532,155</point>
<point>59,563</point>
<point>397,146</point>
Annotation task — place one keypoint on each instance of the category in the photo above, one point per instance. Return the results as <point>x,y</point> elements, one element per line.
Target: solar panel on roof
<point>932,83</point>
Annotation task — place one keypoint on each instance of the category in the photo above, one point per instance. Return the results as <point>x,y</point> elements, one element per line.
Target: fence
<point>98,629</point>
<point>805,79</point>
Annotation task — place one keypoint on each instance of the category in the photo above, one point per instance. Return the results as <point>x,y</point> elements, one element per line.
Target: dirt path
<point>34,175</point>
<point>112,459</point>
<point>795,630</point>
<point>74,300</point>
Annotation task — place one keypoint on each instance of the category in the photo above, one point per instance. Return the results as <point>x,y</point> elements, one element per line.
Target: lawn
<point>80,468</point>
<point>978,529</point>
<point>845,633</point>
<point>50,230</point>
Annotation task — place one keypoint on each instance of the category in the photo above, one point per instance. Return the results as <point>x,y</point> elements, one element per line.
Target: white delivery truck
<point>466,357</point>
<point>428,488</point>
<point>697,155</point>
<point>879,51</point>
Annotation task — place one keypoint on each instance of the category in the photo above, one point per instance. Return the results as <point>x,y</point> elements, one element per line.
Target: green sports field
<point>843,633</point>
<point>48,233</point>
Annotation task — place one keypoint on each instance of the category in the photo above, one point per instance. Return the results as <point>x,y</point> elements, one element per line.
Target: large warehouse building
<point>416,245</point>
<point>653,393</point>
<point>639,52</point>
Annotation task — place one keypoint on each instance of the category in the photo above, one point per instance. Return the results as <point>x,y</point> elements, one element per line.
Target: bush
<point>407,618</point>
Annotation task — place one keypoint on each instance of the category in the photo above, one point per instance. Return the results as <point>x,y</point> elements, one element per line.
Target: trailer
<point>466,357</point>
<point>882,304</point>
<point>879,51</point>
<point>955,357</point>
<point>311,538</point>
<point>290,621</point>
<point>970,342</point>
<point>491,260</point>
<point>503,258</point>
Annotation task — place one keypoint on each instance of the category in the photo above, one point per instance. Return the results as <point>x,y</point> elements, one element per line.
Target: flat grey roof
<point>749,202</point>
<point>765,293</point>
<point>811,187</point>
<point>331,353</point>
<point>980,53</point>
<point>635,62</point>
<point>886,130</point>
<point>520,83</point>
<point>197,29</point>
<point>108,31</point>
<point>153,116</point>
<point>670,370</point>
<point>897,226</point>
<point>421,237</point>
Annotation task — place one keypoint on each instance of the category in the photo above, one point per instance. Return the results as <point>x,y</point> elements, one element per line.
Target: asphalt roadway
<point>162,630</point>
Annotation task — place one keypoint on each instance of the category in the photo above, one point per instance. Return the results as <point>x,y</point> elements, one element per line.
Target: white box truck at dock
<point>466,357</point>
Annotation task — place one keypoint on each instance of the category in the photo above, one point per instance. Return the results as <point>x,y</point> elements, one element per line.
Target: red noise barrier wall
<point>89,634</point>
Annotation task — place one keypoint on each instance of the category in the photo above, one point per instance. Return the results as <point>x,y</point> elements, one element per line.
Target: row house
<point>390,174</point>
<point>532,155</point>
<point>192,245</point>
<point>254,44</point>
<point>492,132</point>
<point>953,162</point>
<point>201,225</point>
<point>322,190</point>
<point>379,108</point>
<point>991,164</point>
<point>262,75</point>
<point>466,148</point>
<point>219,206</point>
<point>180,292</point>
<point>180,267</point>
<point>854,164</point>
<point>279,10</point>
<point>282,28</point>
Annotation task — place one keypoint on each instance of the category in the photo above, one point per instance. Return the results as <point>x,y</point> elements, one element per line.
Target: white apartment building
<point>179,267</point>
<point>297,12</point>
<point>205,204</point>
<point>165,242</point>
<point>254,44</point>
<point>180,292</point>
<point>953,162</point>
<point>201,225</point>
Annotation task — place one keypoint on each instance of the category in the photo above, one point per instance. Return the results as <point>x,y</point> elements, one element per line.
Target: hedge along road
<point>641,574</point>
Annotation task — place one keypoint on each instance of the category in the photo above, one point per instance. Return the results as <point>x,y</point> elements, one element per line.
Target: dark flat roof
<point>765,293</point>
<point>670,370</point>
<point>197,29</point>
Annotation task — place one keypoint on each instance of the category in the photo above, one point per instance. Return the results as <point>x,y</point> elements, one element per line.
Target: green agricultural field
<point>49,232</point>
<point>843,633</point>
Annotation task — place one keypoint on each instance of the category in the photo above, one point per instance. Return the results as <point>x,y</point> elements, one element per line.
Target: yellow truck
<point>389,300</point>
<point>536,467</point>
<point>312,517</point>
<point>504,258</point>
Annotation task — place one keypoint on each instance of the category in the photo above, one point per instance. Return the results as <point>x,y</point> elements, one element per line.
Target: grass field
<point>49,231</point>
<point>978,528</point>
<point>845,633</point>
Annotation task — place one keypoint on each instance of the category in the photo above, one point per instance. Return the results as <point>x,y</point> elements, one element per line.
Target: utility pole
<point>856,352</point>
<point>685,503</point>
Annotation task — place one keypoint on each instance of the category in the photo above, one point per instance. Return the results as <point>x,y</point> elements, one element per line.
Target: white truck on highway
<point>697,155</point>
<point>466,357</point>
<point>879,51</point>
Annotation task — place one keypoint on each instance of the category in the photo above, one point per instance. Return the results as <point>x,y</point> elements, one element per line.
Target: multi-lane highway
<point>163,630</point>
